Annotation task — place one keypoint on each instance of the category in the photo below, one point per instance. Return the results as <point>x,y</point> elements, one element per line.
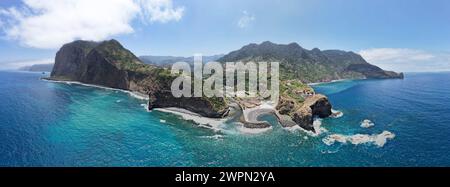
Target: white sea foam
<point>145,107</point>
<point>336,113</point>
<point>296,128</point>
<point>118,101</point>
<point>162,121</point>
<point>329,152</point>
<point>216,137</point>
<point>245,130</point>
<point>293,128</point>
<point>211,123</point>
<point>367,124</point>
<point>376,139</point>
<point>317,124</point>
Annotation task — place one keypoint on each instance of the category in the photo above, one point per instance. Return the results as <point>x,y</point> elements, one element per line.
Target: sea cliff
<point>109,64</point>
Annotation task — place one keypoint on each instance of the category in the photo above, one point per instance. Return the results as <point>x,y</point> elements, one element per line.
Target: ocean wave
<point>210,123</point>
<point>145,107</point>
<point>367,124</point>
<point>297,128</point>
<point>376,139</point>
<point>317,124</point>
<point>245,130</point>
<point>136,95</point>
<point>336,113</point>
<point>215,137</point>
<point>329,152</point>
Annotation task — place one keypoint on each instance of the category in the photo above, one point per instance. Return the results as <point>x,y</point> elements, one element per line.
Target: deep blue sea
<point>54,124</point>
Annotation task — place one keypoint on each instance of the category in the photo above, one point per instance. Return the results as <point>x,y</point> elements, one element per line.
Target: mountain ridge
<point>310,66</point>
<point>167,61</point>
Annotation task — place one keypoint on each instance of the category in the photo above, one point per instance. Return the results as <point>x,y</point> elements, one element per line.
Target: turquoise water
<point>53,124</point>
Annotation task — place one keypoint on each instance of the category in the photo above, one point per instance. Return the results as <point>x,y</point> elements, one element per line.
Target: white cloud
<point>14,65</point>
<point>245,19</point>
<point>51,23</point>
<point>407,60</point>
<point>395,55</point>
<point>160,10</point>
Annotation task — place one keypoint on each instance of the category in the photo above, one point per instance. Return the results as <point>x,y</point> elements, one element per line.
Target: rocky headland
<point>109,64</point>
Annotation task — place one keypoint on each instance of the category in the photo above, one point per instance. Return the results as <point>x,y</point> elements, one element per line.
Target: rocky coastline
<point>109,64</point>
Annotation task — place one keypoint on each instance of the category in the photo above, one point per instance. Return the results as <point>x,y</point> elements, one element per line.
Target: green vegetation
<point>309,65</point>
<point>217,103</point>
<point>295,90</point>
<point>122,58</point>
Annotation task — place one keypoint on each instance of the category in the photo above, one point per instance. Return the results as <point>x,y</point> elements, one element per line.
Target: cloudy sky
<point>401,35</point>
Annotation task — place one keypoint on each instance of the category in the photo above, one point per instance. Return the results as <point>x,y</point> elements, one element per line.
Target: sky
<point>400,35</point>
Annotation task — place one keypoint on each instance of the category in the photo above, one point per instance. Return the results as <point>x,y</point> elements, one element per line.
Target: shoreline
<point>332,81</point>
<point>211,123</point>
<point>136,95</point>
<point>249,116</point>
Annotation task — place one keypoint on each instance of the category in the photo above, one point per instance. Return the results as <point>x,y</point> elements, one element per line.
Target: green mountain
<point>310,65</point>
<point>109,64</point>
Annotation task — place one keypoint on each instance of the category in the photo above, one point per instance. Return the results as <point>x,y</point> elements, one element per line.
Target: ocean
<point>55,124</point>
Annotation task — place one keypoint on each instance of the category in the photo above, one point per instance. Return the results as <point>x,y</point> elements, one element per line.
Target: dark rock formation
<point>194,104</point>
<point>319,105</point>
<point>316,105</point>
<point>70,59</point>
<point>304,118</point>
